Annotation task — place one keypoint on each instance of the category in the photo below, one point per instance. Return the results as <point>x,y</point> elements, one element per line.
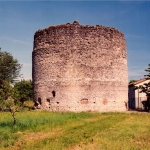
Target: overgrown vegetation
<point>80,131</point>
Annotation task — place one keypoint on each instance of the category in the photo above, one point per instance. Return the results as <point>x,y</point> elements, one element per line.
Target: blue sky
<point>19,20</point>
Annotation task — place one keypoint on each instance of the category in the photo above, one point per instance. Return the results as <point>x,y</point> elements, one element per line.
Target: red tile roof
<point>137,82</point>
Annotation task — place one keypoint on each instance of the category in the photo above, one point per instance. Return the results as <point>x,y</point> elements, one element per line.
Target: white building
<point>135,97</point>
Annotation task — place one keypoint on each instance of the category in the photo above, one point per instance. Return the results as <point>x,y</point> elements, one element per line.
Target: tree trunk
<point>14,121</point>
<point>13,115</point>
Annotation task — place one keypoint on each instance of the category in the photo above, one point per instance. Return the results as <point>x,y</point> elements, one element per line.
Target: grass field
<point>41,130</point>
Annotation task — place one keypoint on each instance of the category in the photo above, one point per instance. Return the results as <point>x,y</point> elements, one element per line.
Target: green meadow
<point>42,130</point>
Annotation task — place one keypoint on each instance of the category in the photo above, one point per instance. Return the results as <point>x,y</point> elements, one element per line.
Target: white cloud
<point>26,64</point>
<point>16,40</point>
<point>26,71</point>
<point>136,74</point>
<point>134,36</point>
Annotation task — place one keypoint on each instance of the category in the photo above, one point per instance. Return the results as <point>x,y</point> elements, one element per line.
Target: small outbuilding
<point>135,97</point>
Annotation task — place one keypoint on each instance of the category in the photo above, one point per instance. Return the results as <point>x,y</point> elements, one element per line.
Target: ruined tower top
<point>73,30</point>
<point>76,23</point>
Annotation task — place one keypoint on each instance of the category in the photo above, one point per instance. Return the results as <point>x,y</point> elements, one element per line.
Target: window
<point>53,93</point>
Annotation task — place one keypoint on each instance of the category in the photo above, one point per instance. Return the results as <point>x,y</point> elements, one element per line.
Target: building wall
<point>135,97</point>
<point>137,92</point>
<point>80,68</point>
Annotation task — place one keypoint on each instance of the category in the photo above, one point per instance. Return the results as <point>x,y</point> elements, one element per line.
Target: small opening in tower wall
<point>53,93</point>
<point>39,100</point>
<point>48,100</point>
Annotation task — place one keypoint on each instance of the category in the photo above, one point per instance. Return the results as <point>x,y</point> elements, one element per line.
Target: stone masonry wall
<point>80,68</point>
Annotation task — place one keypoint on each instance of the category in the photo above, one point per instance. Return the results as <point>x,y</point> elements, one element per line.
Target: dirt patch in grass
<point>26,139</point>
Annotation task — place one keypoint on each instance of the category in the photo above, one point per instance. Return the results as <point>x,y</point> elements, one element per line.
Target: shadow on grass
<point>7,124</point>
<point>138,110</point>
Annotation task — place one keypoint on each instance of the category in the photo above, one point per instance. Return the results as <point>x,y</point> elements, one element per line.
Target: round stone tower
<point>80,68</point>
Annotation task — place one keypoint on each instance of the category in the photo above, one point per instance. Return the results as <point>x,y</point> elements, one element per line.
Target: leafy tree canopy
<point>9,67</point>
<point>23,91</point>
<point>131,81</point>
<point>145,88</point>
<point>5,90</point>
<point>9,71</point>
<point>148,70</point>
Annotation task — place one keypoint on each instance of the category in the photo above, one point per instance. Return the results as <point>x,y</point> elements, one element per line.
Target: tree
<point>11,106</point>
<point>5,90</point>
<point>9,67</point>
<point>9,71</point>
<point>22,94</point>
<point>145,88</point>
<point>23,91</point>
<point>148,70</point>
